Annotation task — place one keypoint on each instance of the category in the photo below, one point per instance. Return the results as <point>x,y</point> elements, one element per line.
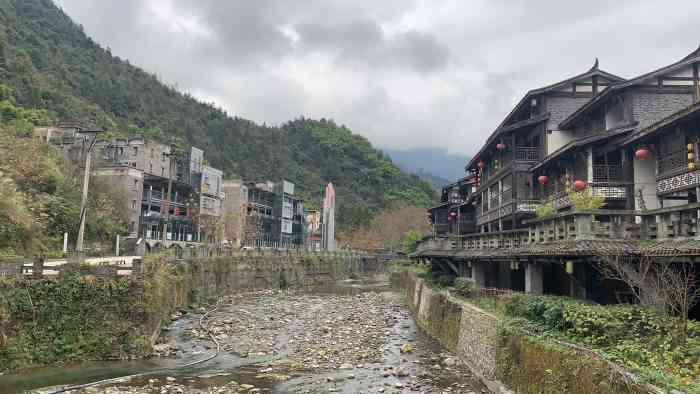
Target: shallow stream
<point>425,367</point>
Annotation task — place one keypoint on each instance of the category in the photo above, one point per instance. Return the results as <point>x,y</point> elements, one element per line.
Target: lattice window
<point>607,173</point>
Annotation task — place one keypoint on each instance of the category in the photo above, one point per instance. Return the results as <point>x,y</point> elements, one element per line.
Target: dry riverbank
<point>353,338</point>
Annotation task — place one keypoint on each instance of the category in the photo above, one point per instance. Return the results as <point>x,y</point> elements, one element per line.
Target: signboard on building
<point>288,187</point>
<point>286,226</point>
<point>287,208</point>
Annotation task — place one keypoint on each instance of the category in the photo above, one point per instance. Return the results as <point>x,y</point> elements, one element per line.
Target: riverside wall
<point>84,314</point>
<point>505,357</point>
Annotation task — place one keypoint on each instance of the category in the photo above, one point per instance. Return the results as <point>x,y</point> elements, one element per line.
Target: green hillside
<point>51,64</point>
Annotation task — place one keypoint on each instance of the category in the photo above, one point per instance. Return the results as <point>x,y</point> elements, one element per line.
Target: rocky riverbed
<point>352,339</point>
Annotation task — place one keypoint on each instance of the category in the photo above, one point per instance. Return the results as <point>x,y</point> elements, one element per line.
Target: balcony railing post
<point>584,226</point>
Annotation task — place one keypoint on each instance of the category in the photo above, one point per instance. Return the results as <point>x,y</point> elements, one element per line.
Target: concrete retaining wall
<point>463,329</point>
<point>211,277</point>
<point>506,358</point>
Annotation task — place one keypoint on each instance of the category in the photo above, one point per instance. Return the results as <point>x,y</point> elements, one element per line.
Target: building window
<point>162,171</point>
<point>136,151</point>
<point>133,204</point>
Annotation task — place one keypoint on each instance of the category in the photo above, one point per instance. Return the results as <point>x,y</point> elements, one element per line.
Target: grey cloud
<point>403,73</point>
<point>363,42</point>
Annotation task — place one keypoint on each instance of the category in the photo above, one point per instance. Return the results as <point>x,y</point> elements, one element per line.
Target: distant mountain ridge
<point>434,164</point>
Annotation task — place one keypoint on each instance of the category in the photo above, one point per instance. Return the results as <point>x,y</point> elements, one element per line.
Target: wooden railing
<point>672,162</point>
<point>675,223</point>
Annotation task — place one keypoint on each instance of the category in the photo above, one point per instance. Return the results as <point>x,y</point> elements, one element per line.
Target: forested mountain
<point>49,63</point>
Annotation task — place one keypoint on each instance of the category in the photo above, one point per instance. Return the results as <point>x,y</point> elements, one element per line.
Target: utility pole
<point>166,201</point>
<point>83,201</point>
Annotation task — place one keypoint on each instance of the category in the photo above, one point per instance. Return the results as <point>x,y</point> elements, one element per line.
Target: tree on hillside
<point>52,64</point>
<point>395,228</point>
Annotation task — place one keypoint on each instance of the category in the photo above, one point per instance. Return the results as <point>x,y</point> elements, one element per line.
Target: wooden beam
<point>451,265</point>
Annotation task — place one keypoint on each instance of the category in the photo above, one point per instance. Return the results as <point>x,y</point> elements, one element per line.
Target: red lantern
<point>543,179</point>
<point>481,164</point>
<point>642,153</point>
<point>500,146</point>
<point>579,185</point>
<point>453,214</point>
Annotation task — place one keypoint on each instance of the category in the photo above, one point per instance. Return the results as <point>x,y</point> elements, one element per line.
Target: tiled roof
<point>569,121</point>
<point>595,70</point>
<point>689,247</point>
<point>577,248</point>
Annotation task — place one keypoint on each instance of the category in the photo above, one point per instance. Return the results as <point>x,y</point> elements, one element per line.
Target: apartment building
<point>171,194</point>
<point>264,214</point>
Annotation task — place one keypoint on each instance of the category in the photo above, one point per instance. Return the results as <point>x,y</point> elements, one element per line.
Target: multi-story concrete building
<point>235,209</point>
<point>273,216</point>
<point>589,167</point>
<point>170,194</point>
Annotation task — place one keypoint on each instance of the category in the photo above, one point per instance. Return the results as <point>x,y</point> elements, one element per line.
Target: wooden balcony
<point>435,245</point>
<point>584,230</point>
<point>608,190</point>
<point>508,208</point>
<point>672,223</point>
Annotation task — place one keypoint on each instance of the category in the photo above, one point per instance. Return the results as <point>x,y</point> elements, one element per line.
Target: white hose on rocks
<point>156,371</point>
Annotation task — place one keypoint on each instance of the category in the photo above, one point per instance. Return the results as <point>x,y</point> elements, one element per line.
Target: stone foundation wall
<point>208,278</point>
<point>506,358</point>
<point>461,328</point>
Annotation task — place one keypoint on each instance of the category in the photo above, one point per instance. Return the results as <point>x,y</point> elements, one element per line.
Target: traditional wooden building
<point>586,168</point>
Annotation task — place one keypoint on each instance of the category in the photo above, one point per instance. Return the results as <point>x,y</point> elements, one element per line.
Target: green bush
<point>585,200</point>
<point>545,310</point>
<point>464,284</point>
<point>643,339</point>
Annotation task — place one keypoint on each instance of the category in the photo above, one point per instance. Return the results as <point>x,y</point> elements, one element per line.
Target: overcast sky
<point>403,73</point>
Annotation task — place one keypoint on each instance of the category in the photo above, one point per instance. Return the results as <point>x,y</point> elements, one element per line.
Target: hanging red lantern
<point>453,214</point>
<point>481,164</point>
<point>543,179</point>
<point>579,185</point>
<point>500,146</point>
<point>642,153</point>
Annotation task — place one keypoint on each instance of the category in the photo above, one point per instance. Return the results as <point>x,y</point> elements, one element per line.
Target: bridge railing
<point>115,266</point>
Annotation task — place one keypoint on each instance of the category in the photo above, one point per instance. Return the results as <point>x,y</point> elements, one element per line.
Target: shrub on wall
<point>640,338</point>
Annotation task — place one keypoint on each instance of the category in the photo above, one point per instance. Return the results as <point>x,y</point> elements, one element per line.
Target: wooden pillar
<point>628,173</point>
<point>504,281</point>
<point>533,278</point>
<point>696,82</point>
